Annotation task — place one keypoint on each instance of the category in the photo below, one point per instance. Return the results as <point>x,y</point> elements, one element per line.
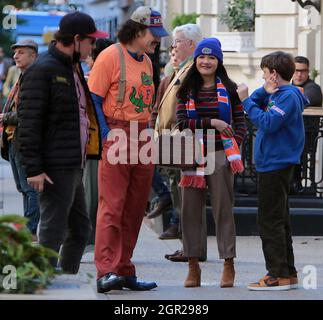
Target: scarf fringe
<point>193,182</point>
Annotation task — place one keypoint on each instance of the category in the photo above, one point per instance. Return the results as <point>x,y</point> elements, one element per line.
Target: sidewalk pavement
<point>152,266</point>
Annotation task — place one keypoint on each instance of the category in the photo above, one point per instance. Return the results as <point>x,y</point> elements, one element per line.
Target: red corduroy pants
<point>123,193</point>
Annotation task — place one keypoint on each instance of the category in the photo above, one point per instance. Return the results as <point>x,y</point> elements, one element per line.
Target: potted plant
<point>239,17</point>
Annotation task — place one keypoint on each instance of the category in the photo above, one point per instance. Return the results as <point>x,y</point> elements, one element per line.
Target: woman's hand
<point>222,127</point>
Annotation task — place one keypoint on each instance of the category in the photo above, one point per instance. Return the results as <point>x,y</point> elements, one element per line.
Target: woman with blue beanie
<point>208,101</point>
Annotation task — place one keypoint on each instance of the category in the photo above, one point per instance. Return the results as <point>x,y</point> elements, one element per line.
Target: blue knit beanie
<point>209,47</point>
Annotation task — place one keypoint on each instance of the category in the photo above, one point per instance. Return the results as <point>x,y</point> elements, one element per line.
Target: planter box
<point>237,41</point>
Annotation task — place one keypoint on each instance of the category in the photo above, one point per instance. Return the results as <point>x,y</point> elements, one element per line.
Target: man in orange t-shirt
<point>124,187</point>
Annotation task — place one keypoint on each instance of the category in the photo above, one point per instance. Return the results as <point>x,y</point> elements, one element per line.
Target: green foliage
<point>34,270</point>
<point>240,15</point>
<point>314,74</point>
<point>184,19</point>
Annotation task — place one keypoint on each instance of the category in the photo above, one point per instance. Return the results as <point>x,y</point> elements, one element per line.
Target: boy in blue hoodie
<point>276,111</point>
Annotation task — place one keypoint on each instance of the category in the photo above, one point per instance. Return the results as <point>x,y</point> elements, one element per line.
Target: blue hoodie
<point>278,118</point>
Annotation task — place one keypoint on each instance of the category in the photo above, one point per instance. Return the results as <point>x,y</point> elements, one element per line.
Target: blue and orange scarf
<point>196,178</point>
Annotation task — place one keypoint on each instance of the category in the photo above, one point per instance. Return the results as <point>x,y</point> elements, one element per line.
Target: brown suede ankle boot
<point>194,273</point>
<point>228,274</point>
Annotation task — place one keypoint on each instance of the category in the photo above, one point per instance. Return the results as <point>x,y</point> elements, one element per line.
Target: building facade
<point>279,25</point>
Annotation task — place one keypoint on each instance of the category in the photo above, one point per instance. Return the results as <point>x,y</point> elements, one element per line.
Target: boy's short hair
<point>280,61</point>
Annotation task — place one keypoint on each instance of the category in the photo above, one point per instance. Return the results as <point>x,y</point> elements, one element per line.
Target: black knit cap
<point>80,23</point>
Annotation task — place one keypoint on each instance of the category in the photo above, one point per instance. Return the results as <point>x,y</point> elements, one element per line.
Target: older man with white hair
<point>185,39</point>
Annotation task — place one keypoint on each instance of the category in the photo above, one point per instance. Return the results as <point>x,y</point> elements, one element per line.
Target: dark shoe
<point>178,256</point>
<point>167,256</point>
<point>110,281</point>
<point>158,210</point>
<point>132,284</point>
<point>170,233</point>
<point>296,188</point>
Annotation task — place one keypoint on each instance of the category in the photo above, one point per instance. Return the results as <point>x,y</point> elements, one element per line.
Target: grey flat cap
<point>25,43</point>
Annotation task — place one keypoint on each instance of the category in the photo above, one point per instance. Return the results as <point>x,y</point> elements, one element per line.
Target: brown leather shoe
<point>167,256</point>
<point>178,256</point>
<point>158,210</point>
<point>170,233</point>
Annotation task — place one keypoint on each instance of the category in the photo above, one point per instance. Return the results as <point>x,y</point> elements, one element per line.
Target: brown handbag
<point>177,149</point>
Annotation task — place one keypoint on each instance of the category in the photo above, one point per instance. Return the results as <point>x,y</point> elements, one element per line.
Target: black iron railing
<point>310,172</point>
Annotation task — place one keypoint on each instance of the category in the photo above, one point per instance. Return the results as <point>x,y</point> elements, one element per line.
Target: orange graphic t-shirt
<point>104,82</point>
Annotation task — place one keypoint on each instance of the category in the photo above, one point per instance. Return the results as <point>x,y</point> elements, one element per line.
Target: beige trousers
<point>220,187</point>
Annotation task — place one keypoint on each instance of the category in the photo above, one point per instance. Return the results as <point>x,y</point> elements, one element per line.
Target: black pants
<point>274,222</point>
<point>64,222</point>
<point>90,180</point>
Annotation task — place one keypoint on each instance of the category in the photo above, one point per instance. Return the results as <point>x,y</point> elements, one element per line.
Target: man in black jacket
<point>314,95</point>
<point>58,128</point>
<point>301,79</point>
